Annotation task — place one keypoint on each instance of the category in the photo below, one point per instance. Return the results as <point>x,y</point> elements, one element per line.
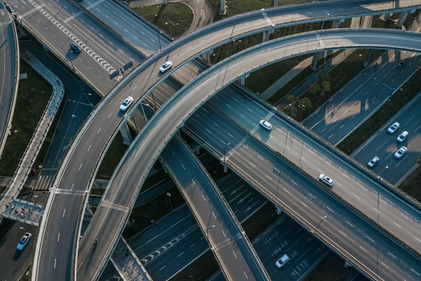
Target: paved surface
<point>363,95</point>
<point>227,239</point>
<point>384,145</point>
<point>75,203</point>
<point>33,148</point>
<point>14,263</point>
<point>9,62</point>
<point>121,198</point>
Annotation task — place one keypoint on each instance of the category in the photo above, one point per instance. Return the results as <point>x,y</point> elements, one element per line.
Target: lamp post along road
<point>323,219</point>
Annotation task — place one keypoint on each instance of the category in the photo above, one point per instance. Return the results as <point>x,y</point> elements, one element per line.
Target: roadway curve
<point>74,177</point>
<point>147,147</point>
<point>9,60</point>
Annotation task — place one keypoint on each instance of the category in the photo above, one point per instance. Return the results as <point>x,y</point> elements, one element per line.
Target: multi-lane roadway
<point>166,122</point>
<point>70,186</point>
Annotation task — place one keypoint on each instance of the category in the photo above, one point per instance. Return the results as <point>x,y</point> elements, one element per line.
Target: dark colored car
<point>75,48</point>
<point>401,64</point>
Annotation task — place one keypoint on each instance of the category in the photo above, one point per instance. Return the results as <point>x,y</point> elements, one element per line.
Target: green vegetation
<point>236,7</point>
<point>33,95</point>
<point>261,79</point>
<point>409,90</point>
<point>339,77</point>
<point>173,18</point>
<point>112,158</point>
<point>296,104</point>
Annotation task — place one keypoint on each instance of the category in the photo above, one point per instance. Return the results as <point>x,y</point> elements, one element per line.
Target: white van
<point>283,260</point>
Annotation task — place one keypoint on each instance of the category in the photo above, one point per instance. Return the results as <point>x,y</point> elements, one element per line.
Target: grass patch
<point>173,18</point>
<point>97,191</point>
<point>411,185</point>
<point>261,79</point>
<point>112,158</point>
<point>260,221</point>
<point>378,119</point>
<point>32,99</point>
<point>236,7</point>
<point>331,268</point>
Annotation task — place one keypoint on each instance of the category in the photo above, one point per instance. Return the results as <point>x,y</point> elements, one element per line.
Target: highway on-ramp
<point>169,119</point>
<point>228,241</point>
<point>9,62</point>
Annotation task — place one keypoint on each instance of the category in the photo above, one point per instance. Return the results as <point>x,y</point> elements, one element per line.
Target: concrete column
<point>368,58</point>
<point>266,35</point>
<point>316,58</point>
<point>164,2</point>
<point>275,3</point>
<point>336,23</point>
<point>197,149</point>
<point>278,210</point>
<point>243,80</point>
<point>225,168</point>
<point>401,20</point>
<point>206,57</point>
<point>367,21</point>
<point>386,17</point>
<point>125,133</point>
<point>223,8</point>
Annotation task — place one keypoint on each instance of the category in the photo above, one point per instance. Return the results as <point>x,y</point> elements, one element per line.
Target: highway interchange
<point>89,147</point>
<point>179,108</point>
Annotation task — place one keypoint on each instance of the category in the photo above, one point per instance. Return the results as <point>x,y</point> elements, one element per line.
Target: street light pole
<point>327,14</point>
<point>323,219</point>
<point>224,151</point>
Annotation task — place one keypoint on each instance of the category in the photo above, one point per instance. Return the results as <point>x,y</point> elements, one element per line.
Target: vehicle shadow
<point>17,254</point>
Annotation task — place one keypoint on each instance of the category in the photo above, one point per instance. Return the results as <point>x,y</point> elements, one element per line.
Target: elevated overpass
<point>154,137</point>
<point>9,78</point>
<point>83,185</point>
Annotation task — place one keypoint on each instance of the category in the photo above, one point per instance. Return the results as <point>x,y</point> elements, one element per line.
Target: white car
<point>373,161</point>
<point>24,241</point>
<point>126,103</point>
<point>325,179</point>
<point>283,260</point>
<point>167,65</point>
<point>394,127</point>
<point>400,152</point>
<point>402,136</point>
<point>265,124</point>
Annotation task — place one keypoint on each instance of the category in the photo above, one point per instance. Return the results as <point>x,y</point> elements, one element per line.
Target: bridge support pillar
<point>197,149</point>
<point>266,35</point>
<point>206,57</point>
<point>125,133</point>
<point>401,20</point>
<point>316,58</point>
<point>243,80</point>
<point>275,3</point>
<point>347,264</point>
<point>367,21</point>
<point>278,211</point>
<point>368,59</point>
<point>386,17</point>
<point>164,2</point>
<point>225,168</point>
<point>223,8</point>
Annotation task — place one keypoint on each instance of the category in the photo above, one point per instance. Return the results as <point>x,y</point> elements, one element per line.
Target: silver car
<point>373,161</point>
<point>126,103</point>
<point>325,179</point>
<point>265,124</point>
<point>400,152</point>
<point>393,128</point>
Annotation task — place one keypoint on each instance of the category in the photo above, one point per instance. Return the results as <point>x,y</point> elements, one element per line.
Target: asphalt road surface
<point>171,123</point>
<point>384,145</point>
<point>103,131</point>
<point>8,73</point>
<point>227,239</point>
